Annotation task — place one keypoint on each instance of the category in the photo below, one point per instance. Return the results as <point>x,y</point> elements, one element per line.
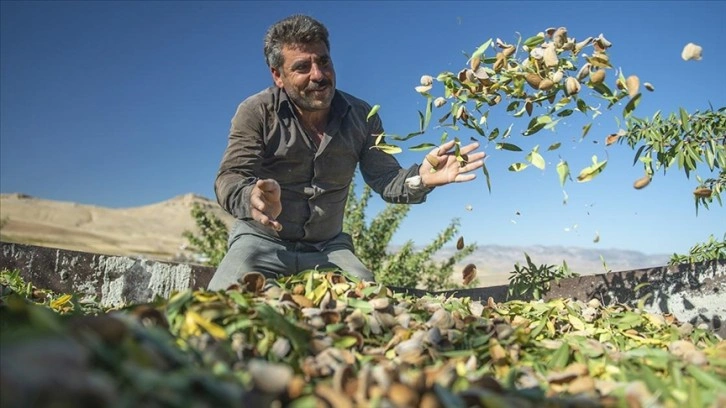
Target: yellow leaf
<point>213,329</point>
<point>576,323</point>
<point>60,302</point>
<point>320,292</point>
<point>644,340</point>
<point>550,327</point>
<point>190,326</point>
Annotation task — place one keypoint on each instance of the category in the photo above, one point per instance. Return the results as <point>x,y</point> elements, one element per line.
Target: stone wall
<point>110,280</point>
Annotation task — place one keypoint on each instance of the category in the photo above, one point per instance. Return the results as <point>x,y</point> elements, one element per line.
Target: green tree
<point>210,241</point>
<point>405,266</point>
<point>532,281</point>
<point>711,250</point>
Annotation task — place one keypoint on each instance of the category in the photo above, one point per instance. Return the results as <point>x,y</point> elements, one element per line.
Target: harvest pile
<point>320,339</point>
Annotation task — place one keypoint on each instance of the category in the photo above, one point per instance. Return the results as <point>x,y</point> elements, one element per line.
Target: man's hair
<point>294,30</point>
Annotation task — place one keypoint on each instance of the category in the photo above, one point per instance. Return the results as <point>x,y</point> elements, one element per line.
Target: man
<point>292,152</point>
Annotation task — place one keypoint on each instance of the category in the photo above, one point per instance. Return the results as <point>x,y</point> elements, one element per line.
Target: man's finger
<point>469,148</point>
<point>268,185</point>
<point>433,160</point>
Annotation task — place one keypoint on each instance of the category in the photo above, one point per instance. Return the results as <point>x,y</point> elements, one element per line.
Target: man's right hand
<point>265,203</point>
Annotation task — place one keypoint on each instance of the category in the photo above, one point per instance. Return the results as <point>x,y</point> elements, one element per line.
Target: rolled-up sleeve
<point>383,173</point>
<point>241,160</point>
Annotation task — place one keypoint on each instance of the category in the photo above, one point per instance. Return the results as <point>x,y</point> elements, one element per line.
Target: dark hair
<point>296,29</point>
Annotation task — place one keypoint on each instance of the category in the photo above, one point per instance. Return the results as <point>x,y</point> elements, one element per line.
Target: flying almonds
<point>692,51</point>
<point>469,273</point>
<point>642,182</point>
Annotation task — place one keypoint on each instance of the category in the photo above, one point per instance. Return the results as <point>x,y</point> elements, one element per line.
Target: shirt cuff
<point>415,183</point>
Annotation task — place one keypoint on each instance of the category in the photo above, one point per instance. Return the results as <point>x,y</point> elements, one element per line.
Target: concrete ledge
<point>110,280</point>
<point>695,293</point>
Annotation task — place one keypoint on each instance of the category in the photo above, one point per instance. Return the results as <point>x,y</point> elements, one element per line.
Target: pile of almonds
<point>321,339</point>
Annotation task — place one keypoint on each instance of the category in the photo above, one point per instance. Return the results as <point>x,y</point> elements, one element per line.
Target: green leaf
<point>448,398</point>
<point>588,173</point>
<point>479,51</point>
<point>518,166</point>
<point>551,125</point>
<point>345,342</point>
<point>632,104</point>
<point>404,138</point>
<point>429,107</point>
<point>603,90</point>
<point>494,134</point>
<point>684,119</point>
<point>637,154</point>
<point>708,380</point>
<point>537,124</point>
<point>582,106</point>
<point>360,304</point>
<point>563,170</point>
<point>373,111</point>
<point>486,175</point>
<point>520,112</point>
<point>534,41</point>
<point>309,283</point>
<point>561,103</point>
<point>560,357</point>
<point>565,113</point>
<point>422,146</point>
<point>586,129</point>
<point>390,149</point>
<point>508,146</point>
<point>281,326</point>
<point>554,146</point>
<point>536,159</point>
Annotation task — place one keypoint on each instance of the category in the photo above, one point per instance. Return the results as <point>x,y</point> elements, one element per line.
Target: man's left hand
<point>441,165</point>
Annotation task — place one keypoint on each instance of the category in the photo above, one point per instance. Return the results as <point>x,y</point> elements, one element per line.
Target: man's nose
<point>316,73</point>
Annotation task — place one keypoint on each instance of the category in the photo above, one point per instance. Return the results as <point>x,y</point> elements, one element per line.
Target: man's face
<point>307,75</point>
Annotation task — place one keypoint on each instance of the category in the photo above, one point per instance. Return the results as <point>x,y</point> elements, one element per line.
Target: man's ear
<point>277,77</point>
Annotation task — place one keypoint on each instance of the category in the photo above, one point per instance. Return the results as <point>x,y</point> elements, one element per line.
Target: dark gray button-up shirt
<point>266,140</point>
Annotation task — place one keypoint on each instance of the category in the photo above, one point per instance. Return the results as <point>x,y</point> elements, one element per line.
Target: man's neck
<point>317,120</point>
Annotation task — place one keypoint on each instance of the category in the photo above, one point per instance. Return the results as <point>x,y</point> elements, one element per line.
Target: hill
<point>153,231</point>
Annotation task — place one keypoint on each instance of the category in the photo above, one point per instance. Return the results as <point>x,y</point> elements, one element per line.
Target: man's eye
<point>301,68</point>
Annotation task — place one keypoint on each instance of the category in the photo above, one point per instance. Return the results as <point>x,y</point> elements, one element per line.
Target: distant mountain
<point>494,262</point>
<point>155,231</point>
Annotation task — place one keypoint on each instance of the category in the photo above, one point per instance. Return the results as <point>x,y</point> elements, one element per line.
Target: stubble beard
<point>308,100</point>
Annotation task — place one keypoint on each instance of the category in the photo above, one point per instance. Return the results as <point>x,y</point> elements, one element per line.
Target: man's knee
<point>350,264</point>
<point>246,254</point>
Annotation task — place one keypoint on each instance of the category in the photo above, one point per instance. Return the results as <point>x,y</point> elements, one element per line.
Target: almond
<point>642,182</point>
<point>533,80</point>
<point>702,192</point>
<point>632,83</point>
<point>597,76</point>
<point>546,84</point>
<point>572,86</point>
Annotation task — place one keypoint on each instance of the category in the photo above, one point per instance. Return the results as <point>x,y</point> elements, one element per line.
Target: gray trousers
<point>251,251</point>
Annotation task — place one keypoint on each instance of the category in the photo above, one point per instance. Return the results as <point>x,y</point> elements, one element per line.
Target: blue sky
<point>123,104</point>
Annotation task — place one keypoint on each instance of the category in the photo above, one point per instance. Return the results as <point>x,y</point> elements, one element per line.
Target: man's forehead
<point>305,49</point>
